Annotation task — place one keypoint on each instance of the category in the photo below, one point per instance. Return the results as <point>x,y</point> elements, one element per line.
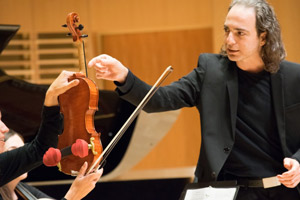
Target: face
<point>12,143</point>
<point>241,41</point>
<point>3,130</point>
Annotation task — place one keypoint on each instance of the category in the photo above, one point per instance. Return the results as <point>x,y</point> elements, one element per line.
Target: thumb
<point>287,163</point>
<point>71,84</point>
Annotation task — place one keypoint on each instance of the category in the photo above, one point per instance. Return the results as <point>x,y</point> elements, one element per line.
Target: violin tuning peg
<point>84,36</point>
<point>64,25</point>
<point>69,34</point>
<point>80,27</point>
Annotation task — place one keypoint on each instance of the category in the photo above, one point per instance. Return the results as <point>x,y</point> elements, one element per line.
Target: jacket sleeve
<point>18,161</point>
<point>182,93</point>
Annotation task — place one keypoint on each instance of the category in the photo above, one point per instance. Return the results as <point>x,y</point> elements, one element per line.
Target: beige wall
<point>289,18</point>
<point>119,16</point>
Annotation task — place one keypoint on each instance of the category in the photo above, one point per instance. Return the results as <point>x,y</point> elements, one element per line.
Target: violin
<point>79,141</point>
<point>74,113</point>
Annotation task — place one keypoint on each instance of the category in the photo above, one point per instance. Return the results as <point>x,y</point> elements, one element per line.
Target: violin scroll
<point>75,31</point>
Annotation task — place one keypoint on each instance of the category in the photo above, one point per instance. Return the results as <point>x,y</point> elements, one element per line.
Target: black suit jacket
<point>213,88</point>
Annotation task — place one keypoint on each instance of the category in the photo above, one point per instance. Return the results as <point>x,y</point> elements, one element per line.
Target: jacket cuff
<point>127,85</point>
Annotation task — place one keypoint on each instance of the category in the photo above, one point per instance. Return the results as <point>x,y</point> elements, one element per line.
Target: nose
<point>230,38</point>
<point>3,127</point>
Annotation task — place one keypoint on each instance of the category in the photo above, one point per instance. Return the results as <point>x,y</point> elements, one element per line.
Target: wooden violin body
<point>78,106</point>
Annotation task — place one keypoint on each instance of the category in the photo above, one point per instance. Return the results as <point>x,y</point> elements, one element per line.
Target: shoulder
<point>212,60</point>
<point>286,63</point>
<point>215,62</point>
<point>288,67</point>
<point>212,57</point>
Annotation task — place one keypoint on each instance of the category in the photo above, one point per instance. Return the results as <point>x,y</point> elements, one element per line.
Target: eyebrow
<point>237,29</point>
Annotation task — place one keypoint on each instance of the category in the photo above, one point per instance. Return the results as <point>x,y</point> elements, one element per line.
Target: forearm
<point>51,126</point>
<point>182,93</point>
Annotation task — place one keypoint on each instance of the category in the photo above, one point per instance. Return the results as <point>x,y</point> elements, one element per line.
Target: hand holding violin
<point>83,184</point>
<point>109,68</point>
<point>59,86</point>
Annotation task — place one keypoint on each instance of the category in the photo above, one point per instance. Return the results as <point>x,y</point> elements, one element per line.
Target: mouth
<point>232,51</point>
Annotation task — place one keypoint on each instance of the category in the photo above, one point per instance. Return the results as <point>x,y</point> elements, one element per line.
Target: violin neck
<point>81,57</point>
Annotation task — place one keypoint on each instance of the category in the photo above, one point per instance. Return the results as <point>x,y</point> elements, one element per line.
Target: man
<point>21,160</point>
<point>248,100</point>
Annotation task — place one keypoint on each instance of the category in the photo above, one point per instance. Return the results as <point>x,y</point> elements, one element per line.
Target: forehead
<point>241,17</point>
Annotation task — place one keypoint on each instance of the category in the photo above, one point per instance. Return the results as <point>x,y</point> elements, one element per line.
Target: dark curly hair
<point>273,52</point>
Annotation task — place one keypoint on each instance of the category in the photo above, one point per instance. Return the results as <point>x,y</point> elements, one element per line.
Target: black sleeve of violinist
<point>18,161</point>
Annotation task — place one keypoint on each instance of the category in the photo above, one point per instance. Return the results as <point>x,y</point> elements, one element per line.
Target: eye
<point>226,29</point>
<point>240,33</point>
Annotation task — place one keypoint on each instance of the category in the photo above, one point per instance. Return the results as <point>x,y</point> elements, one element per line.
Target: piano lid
<point>7,31</point>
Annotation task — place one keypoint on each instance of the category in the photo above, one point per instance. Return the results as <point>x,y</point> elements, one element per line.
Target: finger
<point>79,74</point>
<point>294,171</point>
<point>289,182</point>
<point>93,61</point>
<point>69,85</point>
<point>73,83</point>
<point>82,169</point>
<point>100,171</point>
<point>97,175</point>
<point>66,73</point>
<point>97,59</point>
<point>100,68</point>
<point>287,176</point>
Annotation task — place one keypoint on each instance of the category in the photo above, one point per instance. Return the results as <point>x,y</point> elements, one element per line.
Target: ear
<point>262,38</point>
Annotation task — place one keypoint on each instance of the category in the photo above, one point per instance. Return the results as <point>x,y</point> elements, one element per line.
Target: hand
<point>291,178</point>
<point>83,184</point>
<point>109,68</point>
<point>59,86</point>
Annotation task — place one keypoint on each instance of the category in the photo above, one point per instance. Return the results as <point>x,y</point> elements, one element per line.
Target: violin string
<point>85,67</point>
<point>23,191</point>
<point>122,130</point>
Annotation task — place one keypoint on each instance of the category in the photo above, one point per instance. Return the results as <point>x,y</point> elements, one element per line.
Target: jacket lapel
<point>232,88</point>
<point>278,103</point>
